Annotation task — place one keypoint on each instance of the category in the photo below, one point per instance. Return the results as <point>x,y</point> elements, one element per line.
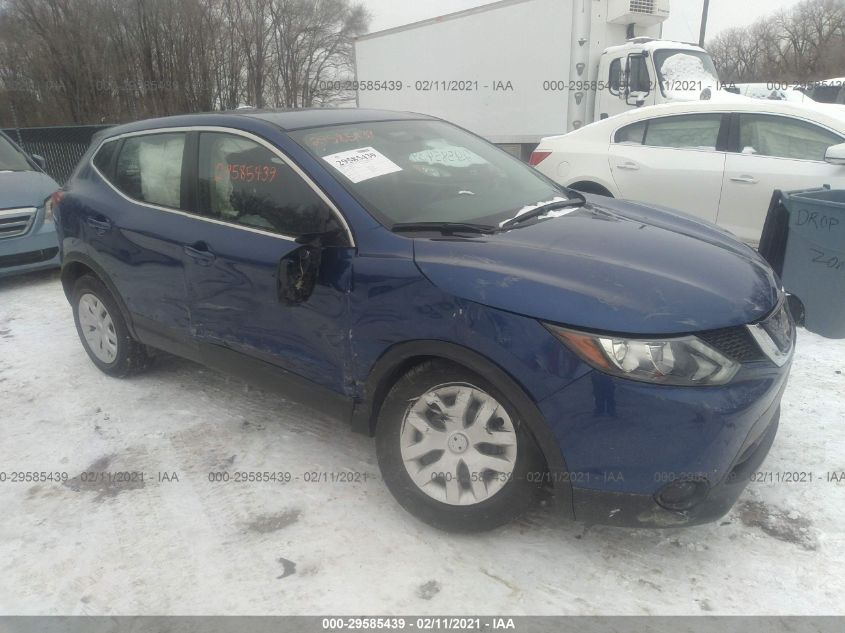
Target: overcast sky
<point>683,24</point>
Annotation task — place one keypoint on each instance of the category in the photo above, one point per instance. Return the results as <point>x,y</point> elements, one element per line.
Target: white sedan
<point>720,161</point>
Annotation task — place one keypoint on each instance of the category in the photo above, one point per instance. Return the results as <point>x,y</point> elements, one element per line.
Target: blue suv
<point>496,333</point>
<point>27,234</point>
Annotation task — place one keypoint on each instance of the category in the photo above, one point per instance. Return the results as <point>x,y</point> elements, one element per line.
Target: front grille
<point>16,222</point>
<point>32,257</point>
<point>642,6</point>
<point>735,343</point>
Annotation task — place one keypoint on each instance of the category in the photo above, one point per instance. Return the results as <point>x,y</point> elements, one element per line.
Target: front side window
<point>614,82</point>
<point>245,183</point>
<point>149,168</point>
<point>11,158</point>
<point>696,131</point>
<point>639,80</point>
<point>426,171</point>
<point>784,138</point>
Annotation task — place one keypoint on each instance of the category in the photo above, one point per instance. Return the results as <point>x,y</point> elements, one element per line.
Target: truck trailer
<point>515,71</point>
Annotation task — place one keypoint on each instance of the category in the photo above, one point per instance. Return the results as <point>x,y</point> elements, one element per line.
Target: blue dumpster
<point>804,241</point>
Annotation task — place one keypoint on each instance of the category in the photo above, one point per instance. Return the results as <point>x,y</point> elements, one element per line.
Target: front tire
<point>103,331</point>
<point>453,450</point>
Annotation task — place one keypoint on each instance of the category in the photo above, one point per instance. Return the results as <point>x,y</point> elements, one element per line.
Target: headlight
<point>685,361</point>
<point>50,205</point>
<point>48,210</point>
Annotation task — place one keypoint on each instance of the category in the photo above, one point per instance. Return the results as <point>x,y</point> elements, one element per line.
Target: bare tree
<point>115,60</point>
<point>312,43</point>
<point>802,44</point>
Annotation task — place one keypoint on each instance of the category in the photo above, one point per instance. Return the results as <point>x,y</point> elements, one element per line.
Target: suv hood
<point>609,266</point>
<point>25,188</point>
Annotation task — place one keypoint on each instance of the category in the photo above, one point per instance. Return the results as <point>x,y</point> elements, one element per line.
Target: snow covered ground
<point>195,547</point>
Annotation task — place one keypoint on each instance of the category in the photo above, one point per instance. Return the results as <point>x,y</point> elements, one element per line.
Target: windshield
<point>685,71</point>
<point>427,171</point>
<point>11,158</point>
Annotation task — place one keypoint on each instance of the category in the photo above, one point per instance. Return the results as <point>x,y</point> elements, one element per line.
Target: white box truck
<point>515,71</point>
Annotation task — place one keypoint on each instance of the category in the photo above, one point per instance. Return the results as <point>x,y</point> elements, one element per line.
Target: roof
<point>651,44</point>
<point>830,116</point>
<point>484,8</point>
<point>318,117</point>
<point>287,120</point>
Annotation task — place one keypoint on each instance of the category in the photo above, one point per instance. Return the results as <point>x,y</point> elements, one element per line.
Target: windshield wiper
<point>576,201</point>
<point>443,227</point>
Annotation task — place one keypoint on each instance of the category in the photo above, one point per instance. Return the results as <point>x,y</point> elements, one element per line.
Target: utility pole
<point>704,15</point>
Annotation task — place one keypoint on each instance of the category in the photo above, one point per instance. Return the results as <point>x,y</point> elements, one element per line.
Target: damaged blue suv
<point>496,333</point>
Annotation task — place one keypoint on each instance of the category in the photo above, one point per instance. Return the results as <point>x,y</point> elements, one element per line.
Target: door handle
<point>629,166</point>
<point>749,180</point>
<point>200,253</point>
<point>100,225</point>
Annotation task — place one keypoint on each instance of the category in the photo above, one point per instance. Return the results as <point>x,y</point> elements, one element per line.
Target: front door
<point>774,152</point>
<point>244,265</point>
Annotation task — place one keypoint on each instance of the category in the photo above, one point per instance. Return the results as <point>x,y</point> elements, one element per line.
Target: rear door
<point>673,161</point>
<point>772,152</point>
<point>135,228</point>
<point>261,214</point>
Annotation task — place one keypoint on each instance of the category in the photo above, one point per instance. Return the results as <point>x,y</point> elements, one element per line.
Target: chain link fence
<point>62,147</point>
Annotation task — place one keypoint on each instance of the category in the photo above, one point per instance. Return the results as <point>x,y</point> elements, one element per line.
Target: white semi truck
<point>515,71</point>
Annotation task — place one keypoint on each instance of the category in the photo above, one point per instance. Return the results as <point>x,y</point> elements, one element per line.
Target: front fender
<point>399,358</point>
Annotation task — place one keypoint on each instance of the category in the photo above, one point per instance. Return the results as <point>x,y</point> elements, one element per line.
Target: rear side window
<point>631,134</point>
<point>103,157</point>
<point>696,131</point>
<point>245,183</point>
<point>149,168</point>
<point>784,138</point>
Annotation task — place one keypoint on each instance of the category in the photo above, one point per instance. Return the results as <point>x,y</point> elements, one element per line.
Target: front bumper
<point>625,443</point>
<point>37,250</point>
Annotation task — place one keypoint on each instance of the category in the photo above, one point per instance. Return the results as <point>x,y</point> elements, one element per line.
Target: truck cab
<point>646,71</point>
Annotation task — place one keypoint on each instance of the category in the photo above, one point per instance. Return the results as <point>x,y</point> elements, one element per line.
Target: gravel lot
<point>190,546</point>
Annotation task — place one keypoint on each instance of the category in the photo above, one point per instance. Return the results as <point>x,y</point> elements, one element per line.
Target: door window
<point>697,131</point>
<point>104,156</point>
<point>631,134</point>
<point>245,183</point>
<point>639,80</point>
<point>784,138</point>
<point>149,168</point>
<point>614,81</point>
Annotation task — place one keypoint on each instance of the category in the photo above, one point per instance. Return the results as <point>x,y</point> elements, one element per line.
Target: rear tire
<point>103,331</point>
<point>453,450</point>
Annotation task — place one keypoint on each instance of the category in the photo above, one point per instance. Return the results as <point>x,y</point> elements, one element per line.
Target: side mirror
<point>835,155</point>
<point>39,160</point>
<point>298,272</point>
<point>749,151</point>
